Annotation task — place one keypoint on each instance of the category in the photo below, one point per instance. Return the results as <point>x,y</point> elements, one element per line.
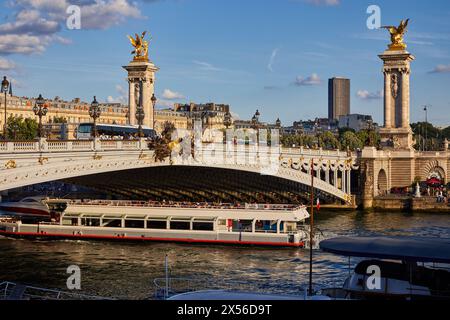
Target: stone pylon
<point>397,133</point>
<point>141,71</point>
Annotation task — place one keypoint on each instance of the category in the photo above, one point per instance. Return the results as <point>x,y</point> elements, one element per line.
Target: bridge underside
<point>198,184</point>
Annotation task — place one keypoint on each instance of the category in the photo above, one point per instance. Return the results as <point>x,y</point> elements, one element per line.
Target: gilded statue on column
<point>140,47</point>
<point>397,34</point>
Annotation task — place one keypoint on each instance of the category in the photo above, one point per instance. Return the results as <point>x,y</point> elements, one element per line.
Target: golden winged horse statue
<point>397,35</point>
<point>140,47</point>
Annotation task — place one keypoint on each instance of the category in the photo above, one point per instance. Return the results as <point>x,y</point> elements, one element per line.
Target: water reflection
<point>127,270</point>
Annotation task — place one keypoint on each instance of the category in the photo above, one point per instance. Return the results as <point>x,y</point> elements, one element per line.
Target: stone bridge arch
<point>28,169</point>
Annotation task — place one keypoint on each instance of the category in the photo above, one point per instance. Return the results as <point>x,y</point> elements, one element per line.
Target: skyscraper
<point>338,97</point>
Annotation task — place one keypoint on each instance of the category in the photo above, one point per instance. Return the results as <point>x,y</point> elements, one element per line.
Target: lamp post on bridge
<point>154,105</point>
<point>425,108</point>
<point>40,110</point>
<point>5,88</point>
<point>95,113</point>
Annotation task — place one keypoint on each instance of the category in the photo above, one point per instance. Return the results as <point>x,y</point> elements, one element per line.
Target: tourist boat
<point>30,207</point>
<point>411,268</point>
<point>397,258</point>
<point>266,225</point>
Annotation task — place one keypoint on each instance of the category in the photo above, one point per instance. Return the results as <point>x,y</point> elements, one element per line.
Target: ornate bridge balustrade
<point>29,162</point>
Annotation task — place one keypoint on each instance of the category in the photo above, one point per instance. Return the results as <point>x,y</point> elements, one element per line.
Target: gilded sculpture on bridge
<point>397,34</point>
<point>140,47</point>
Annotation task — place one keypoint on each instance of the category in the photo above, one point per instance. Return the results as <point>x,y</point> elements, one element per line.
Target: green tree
<point>350,140</point>
<point>369,138</point>
<point>18,128</point>
<point>446,133</point>
<point>429,137</point>
<point>299,140</point>
<point>327,140</point>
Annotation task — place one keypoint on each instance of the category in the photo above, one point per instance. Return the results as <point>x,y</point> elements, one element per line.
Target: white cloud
<point>36,22</point>
<point>164,103</point>
<point>122,98</point>
<point>105,14</point>
<point>6,64</point>
<point>366,95</point>
<point>206,66</point>
<point>441,68</point>
<point>272,59</point>
<point>172,95</point>
<point>312,80</point>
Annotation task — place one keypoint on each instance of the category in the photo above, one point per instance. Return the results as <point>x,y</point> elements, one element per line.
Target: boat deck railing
<point>168,287</point>
<point>14,291</point>
<point>152,204</point>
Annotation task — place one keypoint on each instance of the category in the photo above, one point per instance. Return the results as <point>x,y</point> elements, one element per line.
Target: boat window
<point>139,224</point>
<point>180,225</point>
<point>266,226</point>
<point>222,222</point>
<point>242,225</point>
<point>112,223</point>
<point>153,224</point>
<point>90,222</point>
<point>29,200</point>
<point>206,226</point>
<point>290,226</point>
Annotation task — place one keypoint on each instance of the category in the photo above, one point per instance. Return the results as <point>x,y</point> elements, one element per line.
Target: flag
<point>318,204</point>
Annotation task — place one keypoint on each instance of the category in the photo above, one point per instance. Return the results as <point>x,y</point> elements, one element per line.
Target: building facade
<point>338,98</point>
<point>211,115</point>
<point>357,122</point>
<point>72,113</point>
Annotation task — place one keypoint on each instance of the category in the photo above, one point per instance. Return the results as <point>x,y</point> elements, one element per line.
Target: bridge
<point>128,168</point>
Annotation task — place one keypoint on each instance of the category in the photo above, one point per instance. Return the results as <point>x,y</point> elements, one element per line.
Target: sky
<point>271,55</point>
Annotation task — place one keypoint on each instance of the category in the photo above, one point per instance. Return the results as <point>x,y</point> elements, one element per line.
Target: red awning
<point>434,181</point>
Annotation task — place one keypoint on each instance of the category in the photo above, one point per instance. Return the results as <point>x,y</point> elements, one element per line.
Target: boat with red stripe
<point>203,223</point>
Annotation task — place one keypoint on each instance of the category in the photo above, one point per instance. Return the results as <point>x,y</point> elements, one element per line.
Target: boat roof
<point>395,248</point>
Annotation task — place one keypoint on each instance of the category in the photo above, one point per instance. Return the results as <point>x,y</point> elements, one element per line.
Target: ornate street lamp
<point>95,113</point>
<point>40,110</point>
<point>154,105</point>
<point>255,120</point>
<point>227,120</point>
<point>5,88</point>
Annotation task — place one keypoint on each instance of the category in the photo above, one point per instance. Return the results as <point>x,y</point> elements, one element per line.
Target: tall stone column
<point>349,181</point>
<point>387,101</point>
<point>396,133</point>
<point>343,183</point>
<point>141,71</point>
<point>131,103</point>
<point>335,177</point>
<point>405,99</point>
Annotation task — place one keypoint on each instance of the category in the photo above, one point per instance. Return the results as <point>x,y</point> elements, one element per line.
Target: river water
<point>127,270</point>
